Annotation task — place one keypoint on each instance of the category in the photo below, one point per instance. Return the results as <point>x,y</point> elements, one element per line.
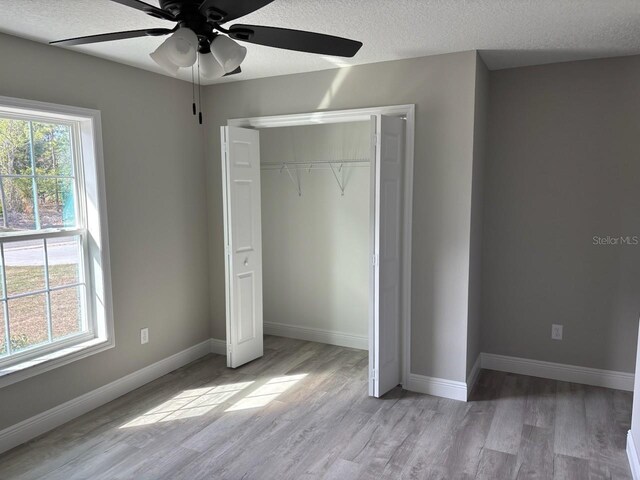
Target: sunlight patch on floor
<point>190,403</point>
<point>196,402</point>
<point>264,394</point>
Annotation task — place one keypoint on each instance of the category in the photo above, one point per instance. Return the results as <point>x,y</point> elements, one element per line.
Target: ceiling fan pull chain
<point>193,91</point>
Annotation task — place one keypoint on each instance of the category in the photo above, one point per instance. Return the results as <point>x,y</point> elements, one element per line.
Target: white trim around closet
<point>357,115</point>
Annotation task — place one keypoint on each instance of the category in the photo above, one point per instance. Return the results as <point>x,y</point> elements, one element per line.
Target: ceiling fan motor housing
<point>183,8</point>
<point>188,14</point>
<point>175,7</point>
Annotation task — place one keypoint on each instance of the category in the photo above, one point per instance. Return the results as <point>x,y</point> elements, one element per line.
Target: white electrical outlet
<point>556,332</point>
<point>144,336</point>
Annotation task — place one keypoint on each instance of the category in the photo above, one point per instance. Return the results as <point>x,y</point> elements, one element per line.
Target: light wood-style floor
<point>301,412</point>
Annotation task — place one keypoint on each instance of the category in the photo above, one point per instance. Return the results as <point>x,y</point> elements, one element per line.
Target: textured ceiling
<point>508,33</point>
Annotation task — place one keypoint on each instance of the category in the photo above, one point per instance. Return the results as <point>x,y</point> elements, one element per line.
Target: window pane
<point>52,149</point>
<point>56,202</point>
<point>17,204</point>
<point>15,157</point>
<point>66,311</point>
<point>64,261</point>
<point>3,332</point>
<point>24,266</point>
<point>28,321</point>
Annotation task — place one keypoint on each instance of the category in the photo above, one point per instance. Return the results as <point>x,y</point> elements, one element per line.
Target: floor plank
<point>570,468</point>
<point>571,421</point>
<point>506,427</point>
<point>535,455</point>
<point>494,464</point>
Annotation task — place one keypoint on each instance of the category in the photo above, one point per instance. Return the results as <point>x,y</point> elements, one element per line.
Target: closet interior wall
<point>316,240</point>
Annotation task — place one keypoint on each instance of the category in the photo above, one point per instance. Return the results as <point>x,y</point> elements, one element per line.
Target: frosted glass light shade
<point>228,53</point>
<point>210,69</point>
<point>179,50</point>
<point>161,58</point>
<point>183,47</point>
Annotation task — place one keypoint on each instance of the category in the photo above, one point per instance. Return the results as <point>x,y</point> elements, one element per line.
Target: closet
<point>314,212</point>
<point>316,232</point>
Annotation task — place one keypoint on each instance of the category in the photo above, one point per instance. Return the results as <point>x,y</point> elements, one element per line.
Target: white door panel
<point>386,358</point>
<point>243,262</point>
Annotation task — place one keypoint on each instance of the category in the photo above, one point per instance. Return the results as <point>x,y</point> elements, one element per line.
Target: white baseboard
<point>632,455</point>
<point>441,387</point>
<point>331,337</point>
<point>218,346</point>
<point>473,375</point>
<point>43,422</point>
<point>438,387</point>
<point>558,371</point>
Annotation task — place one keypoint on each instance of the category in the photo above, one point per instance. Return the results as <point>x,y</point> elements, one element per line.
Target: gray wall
<point>563,166</point>
<point>442,87</point>
<point>474,327</point>
<point>153,152</point>
<point>316,247</point>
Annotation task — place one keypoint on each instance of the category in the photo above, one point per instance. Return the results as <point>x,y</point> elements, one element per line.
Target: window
<point>54,274</point>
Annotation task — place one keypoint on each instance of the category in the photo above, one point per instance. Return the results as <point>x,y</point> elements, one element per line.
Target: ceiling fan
<point>199,36</point>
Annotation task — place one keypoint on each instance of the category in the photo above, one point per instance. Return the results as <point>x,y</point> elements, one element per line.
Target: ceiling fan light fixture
<point>210,68</point>
<point>228,53</point>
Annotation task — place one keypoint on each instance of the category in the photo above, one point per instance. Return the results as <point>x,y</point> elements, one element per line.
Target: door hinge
<point>227,250</point>
<point>374,375</point>
<point>374,259</point>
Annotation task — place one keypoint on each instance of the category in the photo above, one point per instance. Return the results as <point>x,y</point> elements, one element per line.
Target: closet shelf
<point>337,167</point>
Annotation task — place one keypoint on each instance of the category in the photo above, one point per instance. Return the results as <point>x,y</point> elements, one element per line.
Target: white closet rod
<point>316,164</point>
<point>336,167</point>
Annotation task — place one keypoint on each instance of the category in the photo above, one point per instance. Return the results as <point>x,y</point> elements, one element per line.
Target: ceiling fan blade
<point>146,8</point>
<point>221,11</point>
<point>295,40</point>
<point>234,72</point>
<point>107,37</point>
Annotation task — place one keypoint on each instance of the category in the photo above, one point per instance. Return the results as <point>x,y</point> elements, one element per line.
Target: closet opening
<point>316,232</point>
<point>317,240</point>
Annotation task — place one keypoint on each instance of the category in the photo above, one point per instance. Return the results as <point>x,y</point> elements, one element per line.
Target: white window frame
<point>91,203</point>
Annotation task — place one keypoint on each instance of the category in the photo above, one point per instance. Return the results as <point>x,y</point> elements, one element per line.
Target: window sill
<point>35,366</point>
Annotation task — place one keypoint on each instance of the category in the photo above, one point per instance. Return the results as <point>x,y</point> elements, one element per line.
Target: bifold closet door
<point>243,247</point>
<point>385,353</point>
